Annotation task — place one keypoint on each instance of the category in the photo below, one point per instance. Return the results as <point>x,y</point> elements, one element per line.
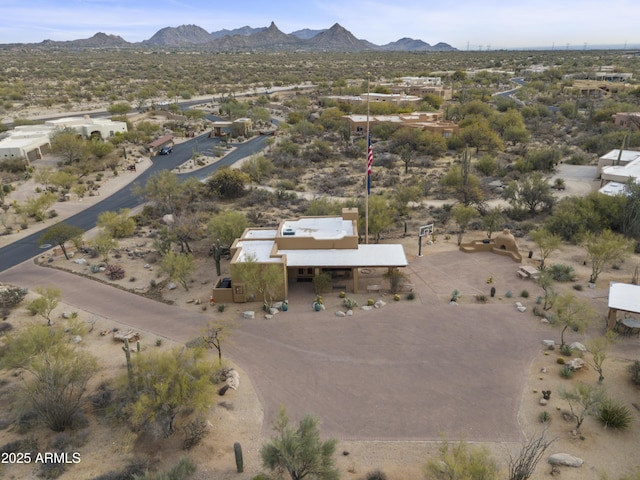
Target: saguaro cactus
<point>237,449</point>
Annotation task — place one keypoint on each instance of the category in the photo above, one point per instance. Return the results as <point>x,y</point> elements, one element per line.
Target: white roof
<point>627,155</point>
<point>613,188</point>
<point>625,297</point>
<point>259,250</point>
<point>261,233</point>
<point>318,227</point>
<point>363,256</point>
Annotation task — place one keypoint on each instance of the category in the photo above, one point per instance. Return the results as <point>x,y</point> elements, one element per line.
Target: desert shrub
<point>524,294</point>
<point>566,350</point>
<point>114,272</point>
<point>11,296</point>
<point>615,414</point>
<point>51,469</point>
<point>560,361</point>
<point>27,445</point>
<point>349,303</point>
<point>26,420</point>
<point>544,417</point>
<point>567,372</point>
<point>634,370</point>
<point>102,398</point>
<point>411,296</point>
<point>376,475</point>
<point>5,327</point>
<point>135,469</point>
<point>194,432</point>
<point>562,273</point>
<point>481,298</point>
<point>578,287</point>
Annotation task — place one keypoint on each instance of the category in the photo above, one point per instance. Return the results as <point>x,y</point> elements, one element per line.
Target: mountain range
<point>271,38</point>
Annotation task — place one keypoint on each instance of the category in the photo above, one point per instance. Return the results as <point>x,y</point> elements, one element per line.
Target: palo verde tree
<point>462,215</point>
<point>168,383</point>
<point>604,248</point>
<point>46,303</point>
<point>546,242</point>
<point>584,399</point>
<point>532,193</point>
<point>265,279</point>
<point>571,312</point>
<point>57,374</point>
<point>60,234</point>
<point>464,184</point>
<point>522,466</point>
<point>299,451</point>
<point>598,348</point>
<point>178,266</point>
<point>118,225</point>
<point>492,220</point>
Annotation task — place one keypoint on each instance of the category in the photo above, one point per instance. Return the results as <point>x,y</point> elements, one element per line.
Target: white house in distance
<point>31,142</point>
<point>616,168</point>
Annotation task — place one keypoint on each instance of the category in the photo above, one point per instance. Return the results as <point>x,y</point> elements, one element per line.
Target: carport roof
<point>363,256</point>
<point>625,297</point>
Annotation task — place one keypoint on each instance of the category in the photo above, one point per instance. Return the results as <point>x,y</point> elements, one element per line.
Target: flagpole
<point>368,178</point>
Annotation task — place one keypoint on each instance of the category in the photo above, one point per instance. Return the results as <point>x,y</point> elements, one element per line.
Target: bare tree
<point>522,466</point>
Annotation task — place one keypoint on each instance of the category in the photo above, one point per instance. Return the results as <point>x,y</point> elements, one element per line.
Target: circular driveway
<point>413,370</point>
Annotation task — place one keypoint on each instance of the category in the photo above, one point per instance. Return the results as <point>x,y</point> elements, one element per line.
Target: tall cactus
<point>237,449</point>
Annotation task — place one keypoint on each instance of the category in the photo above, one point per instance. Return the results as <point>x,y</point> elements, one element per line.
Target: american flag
<point>369,164</point>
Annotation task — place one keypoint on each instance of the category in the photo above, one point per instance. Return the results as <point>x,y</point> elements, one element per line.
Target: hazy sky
<point>479,23</point>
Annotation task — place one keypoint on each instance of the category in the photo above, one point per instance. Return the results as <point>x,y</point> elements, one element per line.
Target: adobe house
<point>305,248</point>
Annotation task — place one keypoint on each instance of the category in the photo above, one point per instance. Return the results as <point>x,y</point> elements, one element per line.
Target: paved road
<point>26,248</point>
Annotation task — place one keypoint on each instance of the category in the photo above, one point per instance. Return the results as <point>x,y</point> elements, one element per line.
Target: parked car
<point>166,150</point>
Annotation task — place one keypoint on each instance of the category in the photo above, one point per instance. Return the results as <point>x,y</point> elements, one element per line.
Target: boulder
<point>366,308</point>
<point>454,303</point>
<point>274,311</point>
<point>172,286</point>
<point>76,339</point>
<point>250,314</point>
<point>66,315</point>
<point>268,316</point>
<point>349,313</point>
<point>549,343</point>
<point>565,460</point>
<point>522,308</point>
<point>578,346</point>
<point>379,304</point>
<point>576,363</point>
<point>233,378</point>
<point>80,261</point>
<point>543,401</point>
<point>340,313</point>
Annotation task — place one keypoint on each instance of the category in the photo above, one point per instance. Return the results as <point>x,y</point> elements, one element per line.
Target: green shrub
<point>567,372</point>
<point>578,287</point>
<point>524,294</point>
<point>565,350</point>
<point>370,302</point>
<point>349,303</point>
<point>560,361</point>
<point>544,417</point>
<point>509,294</point>
<point>376,475</point>
<point>562,273</point>
<point>615,414</point>
<point>411,296</point>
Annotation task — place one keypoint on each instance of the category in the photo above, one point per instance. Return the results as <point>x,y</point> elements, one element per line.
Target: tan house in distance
<point>430,121</point>
<point>305,248</point>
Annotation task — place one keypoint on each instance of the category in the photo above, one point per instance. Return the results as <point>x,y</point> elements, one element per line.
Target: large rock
<point>250,314</point>
<point>576,363</point>
<point>349,313</point>
<point>172,286</point>
<point>549,343</point>
<point>340,313</point>
<point>274,311</point>
<point>565,460</point>
<point>379,304</point>
<point>578,346</point>
<point>366,307</point>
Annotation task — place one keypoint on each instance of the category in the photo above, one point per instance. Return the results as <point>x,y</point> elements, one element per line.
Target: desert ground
<point>244,415</point>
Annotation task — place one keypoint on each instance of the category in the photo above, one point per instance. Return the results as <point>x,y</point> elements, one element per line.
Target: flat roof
<point>318,227</point>
<point>259,250</point>
<point>625,297</point>
<point>627,155</point>
<point>261,233</point>
<point>363,256</point>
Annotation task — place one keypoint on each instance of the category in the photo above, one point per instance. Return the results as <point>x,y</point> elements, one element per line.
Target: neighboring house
<point>31,142</point>
<point>430,121</point>
<point>395,98</point>
<point>305,248</point>
<point>616,168</point>
<point>420,86</point>
<point>626,119</point>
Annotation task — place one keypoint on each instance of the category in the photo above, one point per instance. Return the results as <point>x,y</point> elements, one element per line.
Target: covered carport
<point>623,297</point>
<point>345,263</point>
